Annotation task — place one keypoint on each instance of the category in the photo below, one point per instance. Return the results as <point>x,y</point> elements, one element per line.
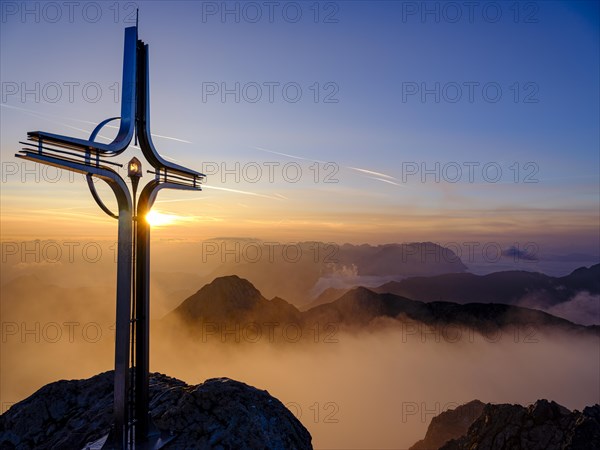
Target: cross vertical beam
<point>122,325</point>
<point>142,337</point>
<point>132,428</point>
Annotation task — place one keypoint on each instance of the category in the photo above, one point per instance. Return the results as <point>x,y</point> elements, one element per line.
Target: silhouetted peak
<point>544,410</point>
<point>280,302</point>
<point>361,295</point>
<point>224,296</point>
<point>230,288</point>
<point>594,269</point>
<point>362,292</point>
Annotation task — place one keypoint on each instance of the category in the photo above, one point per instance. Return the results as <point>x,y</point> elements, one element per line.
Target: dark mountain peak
<point>592,270</point>
<point>284,309</point>
<point>450,424</point>
<point>543,410</point>
<point>359,306</point>
<point>327,296</point>
<point>540,426</point>
<point>232,289</point>
<point>517,287</point>
<point>280,302</point>
<point>231,299</point>
<point>362,291</point>
<point>361,297</point>
<point>584,278</point>
<point>224,297</point>
<point>545,425</point>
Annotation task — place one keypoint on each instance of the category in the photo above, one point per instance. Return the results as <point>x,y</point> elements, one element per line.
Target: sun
<point>158,219</point>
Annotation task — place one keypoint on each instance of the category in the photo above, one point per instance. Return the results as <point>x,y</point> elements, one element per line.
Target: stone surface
<point>544,425</point>
<point>450,424</point>
<point>219,414</point>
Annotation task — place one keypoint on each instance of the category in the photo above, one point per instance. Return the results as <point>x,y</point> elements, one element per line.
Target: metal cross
<point>132,425</point>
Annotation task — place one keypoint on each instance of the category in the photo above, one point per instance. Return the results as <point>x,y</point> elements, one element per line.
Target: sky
<point>363,122</point>
<point>474,125</point>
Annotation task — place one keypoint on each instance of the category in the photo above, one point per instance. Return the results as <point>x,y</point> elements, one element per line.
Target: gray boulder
<point>218,414</point>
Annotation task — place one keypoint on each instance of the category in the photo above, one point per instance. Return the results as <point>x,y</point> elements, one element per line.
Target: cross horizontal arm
<point>102,172</point>
<point>164,168</point>
<point>128,103</point>
<point>91,156</point>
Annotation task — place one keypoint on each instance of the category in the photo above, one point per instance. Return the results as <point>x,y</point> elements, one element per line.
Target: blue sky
<point>543,127</point>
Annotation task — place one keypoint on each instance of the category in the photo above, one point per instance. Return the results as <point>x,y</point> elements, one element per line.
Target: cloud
<point>517,254</point>
<point>347,277</point>
<point>583,308</point>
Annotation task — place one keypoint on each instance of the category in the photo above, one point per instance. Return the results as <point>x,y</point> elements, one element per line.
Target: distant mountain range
<point>510,287</point>
<point>412,259</point>
<point>293,271</point>
<point>233,301</point>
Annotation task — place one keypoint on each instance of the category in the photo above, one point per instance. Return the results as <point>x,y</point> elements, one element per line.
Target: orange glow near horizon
<point>159,219</point>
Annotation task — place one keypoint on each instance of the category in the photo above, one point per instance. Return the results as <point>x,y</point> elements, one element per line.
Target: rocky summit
<point>544,425</point>
<point>450,424</point>
<point>218,414</point>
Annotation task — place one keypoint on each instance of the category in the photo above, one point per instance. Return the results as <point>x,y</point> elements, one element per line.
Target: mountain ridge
<point>232,299</point>
<point>506,287</point>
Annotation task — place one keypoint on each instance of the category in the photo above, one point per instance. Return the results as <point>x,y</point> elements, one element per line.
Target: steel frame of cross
<point>133,427</point>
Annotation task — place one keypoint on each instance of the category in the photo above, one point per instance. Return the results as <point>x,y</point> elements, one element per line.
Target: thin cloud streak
<point>372,172</point>
<point>237,191</point>
<point>204,197</point>
<point>288,155</point>
<point>358,169</point>
<point>386,181</point>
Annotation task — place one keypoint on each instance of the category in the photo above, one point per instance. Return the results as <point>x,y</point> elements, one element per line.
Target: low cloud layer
<point>583,309</point>
<point>375,389</point>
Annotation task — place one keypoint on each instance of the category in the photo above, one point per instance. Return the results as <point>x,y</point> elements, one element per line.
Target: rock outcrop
<point>218,414</point>
<point>544,425</point>
<point>449,425</point>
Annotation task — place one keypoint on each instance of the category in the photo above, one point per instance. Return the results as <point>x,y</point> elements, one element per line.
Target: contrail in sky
<point>378,175</point>
<point>289,156</point>
<point>371,172</point>
<point>218,188</point>
<point>50,118</point>
<point>386,181</point>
